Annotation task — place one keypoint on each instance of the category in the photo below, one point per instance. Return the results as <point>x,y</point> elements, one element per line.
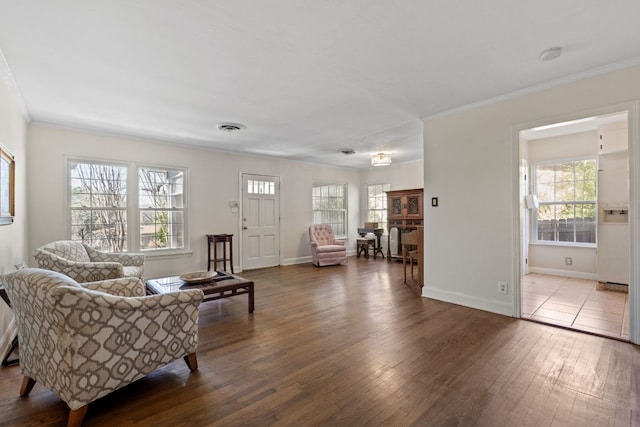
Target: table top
<point>220,282</point>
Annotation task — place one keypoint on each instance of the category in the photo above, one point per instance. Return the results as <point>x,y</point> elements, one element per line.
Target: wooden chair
<point>410,242</point>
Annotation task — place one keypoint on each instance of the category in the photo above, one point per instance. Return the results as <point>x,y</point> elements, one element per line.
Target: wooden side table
<point>224,239</point>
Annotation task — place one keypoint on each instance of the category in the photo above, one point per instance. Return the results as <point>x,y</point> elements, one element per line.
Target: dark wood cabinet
<point>405,212</point>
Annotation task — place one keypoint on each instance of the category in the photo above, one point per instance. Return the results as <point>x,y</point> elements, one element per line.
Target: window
<point>377,204</point>
<point>329,203</point>
<point>161,208</point>
<point>123,207</point>
<point>567,196</point>
<point>7,187</point>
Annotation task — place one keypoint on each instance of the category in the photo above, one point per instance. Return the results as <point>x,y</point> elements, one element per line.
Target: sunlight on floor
<point>575,303</point>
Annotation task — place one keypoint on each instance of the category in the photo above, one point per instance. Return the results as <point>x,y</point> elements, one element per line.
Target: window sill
<point>154,255</point>
<point>566,244</point>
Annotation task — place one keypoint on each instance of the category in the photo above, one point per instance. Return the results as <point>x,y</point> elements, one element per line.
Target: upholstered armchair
<point>83,341</point>
<point>84,264</point>
<point>325,249</point>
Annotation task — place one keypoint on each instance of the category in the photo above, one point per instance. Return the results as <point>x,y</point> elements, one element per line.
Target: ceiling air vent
<point>230,127</point>
<point>347,151</point>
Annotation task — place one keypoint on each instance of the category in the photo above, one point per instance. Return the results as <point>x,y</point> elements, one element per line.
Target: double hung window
<point>329,203</point>
<point>566,192</point>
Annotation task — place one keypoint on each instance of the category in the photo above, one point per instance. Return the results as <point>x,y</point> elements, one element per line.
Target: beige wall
<point>13,238</point>
<point>214,181</point>
<point>471,163</point>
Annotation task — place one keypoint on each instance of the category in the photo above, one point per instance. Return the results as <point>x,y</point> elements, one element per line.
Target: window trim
<point>345,185</point>
<point>133,203</point>
<point>534,216</point>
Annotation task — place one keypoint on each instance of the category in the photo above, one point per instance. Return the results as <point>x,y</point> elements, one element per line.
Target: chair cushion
<point>331,248</point>
<point>132,271</point>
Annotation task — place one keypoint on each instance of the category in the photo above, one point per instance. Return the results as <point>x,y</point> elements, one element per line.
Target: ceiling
<point>307,78</point>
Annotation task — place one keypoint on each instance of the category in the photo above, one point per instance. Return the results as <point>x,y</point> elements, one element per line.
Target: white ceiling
<point>306,77</point>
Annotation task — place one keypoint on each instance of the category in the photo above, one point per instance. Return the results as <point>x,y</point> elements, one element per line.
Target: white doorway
<point>260,221</point>
<point>565,280</point>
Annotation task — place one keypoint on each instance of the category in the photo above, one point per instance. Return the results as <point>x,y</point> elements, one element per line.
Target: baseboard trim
<point>493,306</point>
<point>563,273</point>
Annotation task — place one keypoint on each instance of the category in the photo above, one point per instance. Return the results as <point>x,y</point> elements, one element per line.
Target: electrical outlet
<point>503,288</point>
<point>568,261</point>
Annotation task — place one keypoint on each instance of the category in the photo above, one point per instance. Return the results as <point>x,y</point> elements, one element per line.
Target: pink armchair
<point>325,249</point>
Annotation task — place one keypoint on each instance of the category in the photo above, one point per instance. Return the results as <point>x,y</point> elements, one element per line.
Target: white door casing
<point>260,221</point>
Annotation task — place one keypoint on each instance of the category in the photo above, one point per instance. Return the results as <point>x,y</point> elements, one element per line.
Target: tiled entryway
<point>575,303</point>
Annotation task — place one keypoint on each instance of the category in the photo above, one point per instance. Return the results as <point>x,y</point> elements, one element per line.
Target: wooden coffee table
<point>224,285</point>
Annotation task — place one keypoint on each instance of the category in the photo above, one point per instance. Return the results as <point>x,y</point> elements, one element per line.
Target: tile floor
<point>575,303</point>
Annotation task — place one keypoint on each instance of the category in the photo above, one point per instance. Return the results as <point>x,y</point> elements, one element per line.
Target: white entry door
<point>260,221</point>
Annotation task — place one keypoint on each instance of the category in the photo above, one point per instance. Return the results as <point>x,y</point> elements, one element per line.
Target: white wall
<point>470,162</point>
<point>214,181</point>
<point>550,259</point>
<point>13,238</point>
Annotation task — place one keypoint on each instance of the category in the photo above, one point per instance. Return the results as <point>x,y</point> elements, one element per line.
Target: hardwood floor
<point>351,345</point>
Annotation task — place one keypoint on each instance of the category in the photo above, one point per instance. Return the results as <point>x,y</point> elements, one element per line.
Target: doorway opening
<point>575,224</point>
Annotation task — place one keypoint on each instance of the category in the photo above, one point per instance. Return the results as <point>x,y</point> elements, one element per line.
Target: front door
<point>260,221</point>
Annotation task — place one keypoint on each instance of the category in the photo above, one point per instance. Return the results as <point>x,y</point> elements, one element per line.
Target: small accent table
<point>377,249</point>
<point>224,285</point>
<point>215,239</point>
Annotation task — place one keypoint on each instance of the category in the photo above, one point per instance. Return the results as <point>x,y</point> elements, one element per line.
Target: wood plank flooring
<point>352,346</point>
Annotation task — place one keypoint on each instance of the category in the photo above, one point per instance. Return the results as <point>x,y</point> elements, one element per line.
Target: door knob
<point>244,228</point>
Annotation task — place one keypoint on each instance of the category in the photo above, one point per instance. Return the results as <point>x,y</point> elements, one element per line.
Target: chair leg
<point>76,416</point>
<point>27,386</point>
<point>404,263</point>
<point>192,361</point>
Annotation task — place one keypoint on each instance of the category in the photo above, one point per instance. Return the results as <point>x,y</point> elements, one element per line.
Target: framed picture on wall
<point>7,186</point>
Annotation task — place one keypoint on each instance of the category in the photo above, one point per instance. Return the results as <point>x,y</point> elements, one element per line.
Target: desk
<point>378,233</point>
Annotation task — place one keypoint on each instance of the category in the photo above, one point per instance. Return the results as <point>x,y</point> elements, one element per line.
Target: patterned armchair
<point>325,249</point>
<point>84,341</point>
<point>85,264</point>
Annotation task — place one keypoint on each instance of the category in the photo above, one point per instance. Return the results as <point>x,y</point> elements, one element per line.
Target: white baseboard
<point>563,273</point>
<point>305,259</point>
<point>493,306</point>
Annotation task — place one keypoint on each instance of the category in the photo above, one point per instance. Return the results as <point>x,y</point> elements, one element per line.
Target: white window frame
<point>132,203</point>
<point>379,197</point>
<point>344,212</point>
<point>534,216</point>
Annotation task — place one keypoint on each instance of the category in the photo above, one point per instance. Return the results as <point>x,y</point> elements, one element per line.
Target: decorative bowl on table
<point>198,276</point>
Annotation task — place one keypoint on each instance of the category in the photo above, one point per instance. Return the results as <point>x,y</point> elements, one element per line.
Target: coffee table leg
<point>251,300</point>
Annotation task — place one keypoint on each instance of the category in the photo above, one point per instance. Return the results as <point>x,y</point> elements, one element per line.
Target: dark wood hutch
<point>404,212</point>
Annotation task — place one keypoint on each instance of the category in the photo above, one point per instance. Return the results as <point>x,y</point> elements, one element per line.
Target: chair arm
<point>121,257</point>
<point>124,287</point>
<point>95,299</point>
<point>314,245</point>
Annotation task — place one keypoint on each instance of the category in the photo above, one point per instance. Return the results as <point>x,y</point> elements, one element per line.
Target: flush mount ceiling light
<point>230,127</point>
<point>551,53</point>
<point>381,159</point>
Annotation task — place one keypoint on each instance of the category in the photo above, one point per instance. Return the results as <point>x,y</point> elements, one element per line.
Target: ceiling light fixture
<point>551,53</point>
<point>381,159</point>
<point>230,127</point>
